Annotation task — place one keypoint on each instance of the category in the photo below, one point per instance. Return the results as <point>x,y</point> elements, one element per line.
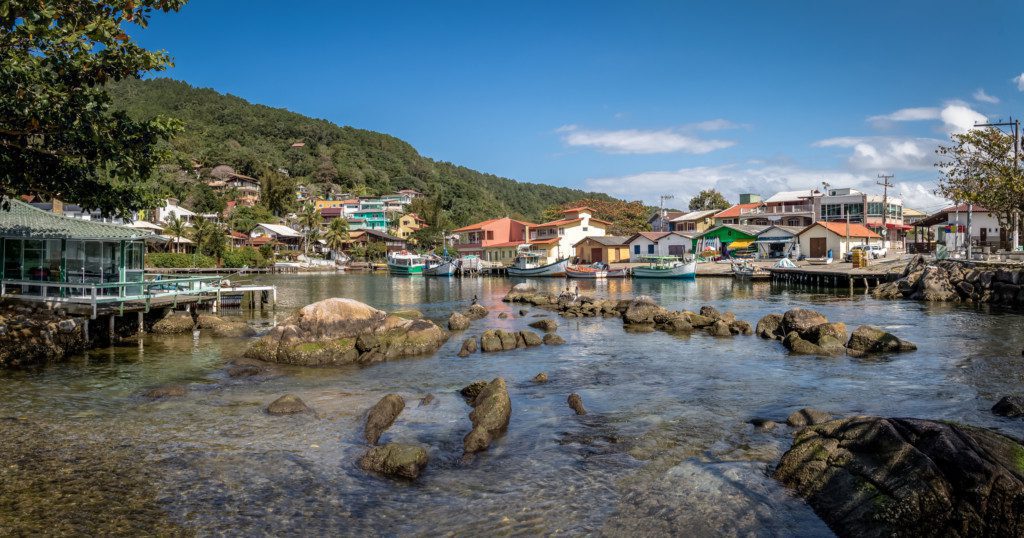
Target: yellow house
<point>604,248</point>
<point>503,253</point>
<point>323,203</point>
<point>409,223</point>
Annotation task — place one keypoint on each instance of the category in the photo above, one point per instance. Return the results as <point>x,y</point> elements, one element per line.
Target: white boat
<point>666,267</point>
<point>528,264</point>
<point>441,267</point>
<point>748,271</point>
<point>597,270</point>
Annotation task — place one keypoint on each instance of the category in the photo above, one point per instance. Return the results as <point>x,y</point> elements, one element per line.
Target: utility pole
<point>1014,126</point>
<point>885,200</point>
<point>664,221</point>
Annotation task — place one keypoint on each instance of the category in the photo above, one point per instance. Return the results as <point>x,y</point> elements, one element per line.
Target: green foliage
<point>431,209</point>
<point>175,229</point>
<point>626,218</point>
<point>979,168</point>
<point>337,234</point>
<point>173,260</point>
<point>244,257</point>
<point>256,141</point>
<point>708,199</point>
<point>244,219</point>
<point>376,251</point>
<point>59,136</point>
<point>203,199</point>
<point>268,252</point>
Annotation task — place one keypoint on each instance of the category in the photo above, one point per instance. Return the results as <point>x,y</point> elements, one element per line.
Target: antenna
<point>662,198</point>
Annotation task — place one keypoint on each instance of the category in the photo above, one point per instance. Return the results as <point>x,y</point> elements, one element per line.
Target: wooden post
<point>110,328</point>
<point>142,324</point>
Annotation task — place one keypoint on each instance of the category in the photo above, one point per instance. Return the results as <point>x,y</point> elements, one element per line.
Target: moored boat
<point>748,271</point>
<point>528,264</point>
<point>405,263</point>
<point>666,267</point>
<point>441,267</point>
<point>597,270</point>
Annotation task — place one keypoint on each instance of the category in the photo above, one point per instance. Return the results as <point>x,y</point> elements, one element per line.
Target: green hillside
<point>257,140</point>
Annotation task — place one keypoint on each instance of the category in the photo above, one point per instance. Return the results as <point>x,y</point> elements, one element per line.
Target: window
<point>490,235</point>
<point>584,228</point>
<point>650,248</point>
<point>636,249</point>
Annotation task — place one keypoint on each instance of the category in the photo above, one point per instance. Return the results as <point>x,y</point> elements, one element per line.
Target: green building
<point>727,238</point>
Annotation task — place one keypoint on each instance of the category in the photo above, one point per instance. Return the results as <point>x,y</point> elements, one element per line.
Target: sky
<point>635,99</point>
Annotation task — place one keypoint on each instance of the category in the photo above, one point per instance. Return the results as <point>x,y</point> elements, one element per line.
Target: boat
<point>528,264</point>
<point>405,263</point>
<point>666,267</point>
<point>748,271</point>
<point>596,270</point>
<point>441,267</point>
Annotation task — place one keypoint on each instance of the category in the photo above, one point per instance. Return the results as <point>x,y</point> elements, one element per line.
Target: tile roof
<point>505,244</point>
<point>606,240</point>
<point>280,230</point>
<point>545,241</point>
<point>695,215</point>
<point>734,211</point>
<point>25,221</point>
<point>476,226</point>
<point>839,228</point>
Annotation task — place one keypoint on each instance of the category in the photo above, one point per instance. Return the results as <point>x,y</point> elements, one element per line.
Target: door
<point>596,255</point>
<point>984,235</point>
<point>818,247</point>
<point>676,250</point>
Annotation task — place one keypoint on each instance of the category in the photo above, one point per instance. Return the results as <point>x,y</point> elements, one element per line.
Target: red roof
<point>563,222</point>
<point>578,209</point>
<point>476,226</point>
<point>506,244</point>
<point>545,241</point>
<point>734,211</point>
<point>238,235</point>
<point>839,228</point>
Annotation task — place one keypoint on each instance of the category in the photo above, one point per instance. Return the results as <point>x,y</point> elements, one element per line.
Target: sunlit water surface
<point>665,448</point>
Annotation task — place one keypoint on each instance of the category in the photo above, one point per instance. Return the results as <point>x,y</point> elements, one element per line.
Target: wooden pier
<point>840,276</point>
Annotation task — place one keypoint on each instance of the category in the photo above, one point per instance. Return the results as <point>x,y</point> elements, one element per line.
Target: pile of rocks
<point>183,323</point>
<point>341,331</point>
<point>30,335</point>
<point>957,281</point>
<point>569,305</point>
<point>808,332</point>
<point>644,313</point>
<point>501,340</point>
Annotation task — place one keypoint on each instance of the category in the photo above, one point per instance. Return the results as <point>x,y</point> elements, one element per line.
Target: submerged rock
<point>807,417</point>
<point>166,391</point>
<point>395,460</point>
<point>340,331</point>
<point>244,370</point>
<point>426,400</point>
<point>503,315</point>
<point>381,416</point>
<point>541,378</point>
<point>224,327</point>
<point>799,346</point>
<point>872,476</point>
<point>472,390</point>
<point>552,339</point>
<point>642,310</point>
<point>1009,406</point>
<point>457,322</point>
<point>545,324</point>
<point>575,402</point>
<point>174,323</point>
<point>868,339</point>
<point>492,409</point>
<point>289,404</point>
<point>468,347</point>
<point>408,313</point>
<point>763,424</point>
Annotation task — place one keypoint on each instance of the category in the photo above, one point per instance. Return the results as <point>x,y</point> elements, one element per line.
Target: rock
<point>801,320</point>
<point>740,327</point>
<point>396,460</point>
<point>552,339</point>
<point>868,339</point>
<point>799,346</point>
<point>381,416</point>
<point>763,424</point>
<point>476,312</point>
<point>468,347</point>
<point>698,321</point>
<point>523,313</point>
<point>719,328</point>
<point>244,370</point>
<point>470,391</point>
<point>67,326</point>
<point>545,324</point>
<point>934,285</point>
<point>807,416</point>
<point>1009,406</point>
<point>341,331</point>
<point>641,310</point>
<point>540,378</point>
<point>676,322</point>
<point>490,341</point>
<point>503,315</point>
<point>530,338</point>
<point>289,404</point>
<point>408,313</point>
<point>770,326</point>
<point>872,476</point>
<point>965,288</point>
<point>836,331</point>
<point>224,328</point>
<point>174,323</point>
<point>710,312</point>
<point>426,400</point>
<point>508,340</point>
<point>166,391</point>
<point>492,409</point>
<point>457,322</point>
<point>524,287</point>
<point>575,402</point>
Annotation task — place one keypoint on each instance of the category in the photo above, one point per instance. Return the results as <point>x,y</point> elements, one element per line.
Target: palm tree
<point>337,234</point>
<point>310,219</point>
<point>201,231</point>
<point>176,228</point>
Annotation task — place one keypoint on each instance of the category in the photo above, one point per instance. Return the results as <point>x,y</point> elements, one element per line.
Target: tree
<point>979,168</point>
<point>243,219</point>
<point>205,200</point>
<point>310,219</point>
<point>277,192</point>
<point>176,229</point>
<point>626,218</point>
<point>59,137</point>
<point>708,199</point>
<point>431,209</point>
<point>337,234</point>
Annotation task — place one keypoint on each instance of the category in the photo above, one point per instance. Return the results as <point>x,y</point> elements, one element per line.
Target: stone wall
<point>958,281</point>
<point>31,335</point>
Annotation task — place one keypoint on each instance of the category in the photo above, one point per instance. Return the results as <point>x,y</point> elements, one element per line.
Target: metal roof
<point>25,221</point>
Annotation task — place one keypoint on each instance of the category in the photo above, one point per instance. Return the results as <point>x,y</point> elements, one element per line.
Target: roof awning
<point>767,240</point>
<point>740,243</point>
<point>894,226</point>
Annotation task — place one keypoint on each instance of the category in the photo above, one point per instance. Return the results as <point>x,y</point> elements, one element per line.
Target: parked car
<point>874,251</point>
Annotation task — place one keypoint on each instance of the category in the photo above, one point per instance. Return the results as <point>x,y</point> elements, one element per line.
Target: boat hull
<point>405,270</point>
<point>687,270</point>
<point>556,269</point>
<point>594,274</point>
<point>442,269</point>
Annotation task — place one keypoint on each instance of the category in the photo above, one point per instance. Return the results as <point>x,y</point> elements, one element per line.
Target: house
<point>603,248</point>
<point>371,213</point>
<point>658,244</point>
<point>732,214</point>
<point>348,205</point>
<point>727,238</point>
<point>778,242</point>
<point>694,221</point>
<point>949,227</point>
<point>490,233</point>
<point>884,216</point>
<point>226,179</point>
<point>787,208</point>
<point>503,253</point>
<point>660,220</point>
<point>408,224</point>
<point>237,239</point>
<point>822,238</point>
<point>285,237</point>
<point>170,210</point>
<point>398,201</point>
<point>363,237</point>
<point>331,213</point>
<point>554,240</point>
<point>74,211</point>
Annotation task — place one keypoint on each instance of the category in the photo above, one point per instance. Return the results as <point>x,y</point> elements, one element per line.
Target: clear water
<point>665,448</point>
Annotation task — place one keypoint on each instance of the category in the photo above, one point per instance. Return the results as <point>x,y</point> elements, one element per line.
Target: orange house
<point>475,237</point>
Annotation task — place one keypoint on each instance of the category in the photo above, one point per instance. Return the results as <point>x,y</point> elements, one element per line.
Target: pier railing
<point>118,293</point>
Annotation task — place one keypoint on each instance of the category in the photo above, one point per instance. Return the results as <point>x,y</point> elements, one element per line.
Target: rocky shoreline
<point>957,281</point>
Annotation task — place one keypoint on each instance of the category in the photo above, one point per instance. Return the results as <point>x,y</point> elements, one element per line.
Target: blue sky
<point>634,99</point>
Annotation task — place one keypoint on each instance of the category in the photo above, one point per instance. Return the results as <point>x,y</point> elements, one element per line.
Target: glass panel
<point>12,263</point>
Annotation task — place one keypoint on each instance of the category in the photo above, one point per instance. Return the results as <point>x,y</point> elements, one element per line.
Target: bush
<point>244,257</point>
<point>177,260</point>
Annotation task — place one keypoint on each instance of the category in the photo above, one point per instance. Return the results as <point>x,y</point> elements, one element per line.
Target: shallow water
<point>665,448</point>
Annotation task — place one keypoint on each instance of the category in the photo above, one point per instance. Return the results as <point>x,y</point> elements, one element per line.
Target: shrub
<point>177,259</point>
<point>244,257</point>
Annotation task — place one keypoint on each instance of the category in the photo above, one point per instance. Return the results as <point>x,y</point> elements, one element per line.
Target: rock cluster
<point>872,476</point>
<point>492,409</point>
<point>569,305</point>
<point>808,332</point>
<point>957,281</point>
<point>644,313</point>
<point>30,335</point>
<point>341,331</point>
<point>501,340</point>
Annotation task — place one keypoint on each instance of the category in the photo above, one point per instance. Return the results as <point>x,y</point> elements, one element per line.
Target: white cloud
<point>732,180</point>
<point>956,116</point>
<point>1019,80</point>
<point>718,124</point>
<point>885,153</point>
<point>980,95</point>
<point>637,141</point>
<point>960,118</point>
<point>908,114</point>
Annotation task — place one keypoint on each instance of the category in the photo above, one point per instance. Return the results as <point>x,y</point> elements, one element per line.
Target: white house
<point>820,238</point>
<point>658,244</point>
<point>170,210</point>
<point>778,242</point>
<point>556,238</point>
<point>280,233</point>
<point>950,226</point>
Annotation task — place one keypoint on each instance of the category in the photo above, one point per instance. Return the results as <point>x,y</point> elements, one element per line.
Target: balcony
<point>778,210</point>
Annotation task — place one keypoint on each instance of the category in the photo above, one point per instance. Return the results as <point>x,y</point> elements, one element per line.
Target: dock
<point>840,274</point>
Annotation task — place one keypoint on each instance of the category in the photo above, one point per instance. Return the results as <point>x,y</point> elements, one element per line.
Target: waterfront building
<point>364,237</point>
<point>661,219</point>
<point>409,224</point>
<point>778,242</point>
<point>694,221</point>
<point>786,208</point>
<point>949,227</point>
<point>472,239</point>
<point>283,237</point>
<point>554,240</point>
<point>727,238</point>
<point>503,253</point>
<point>603,248</point>
<point>643,244</point>
<point>884,217</point>
<point>823,237</point>
<point>731,215</point>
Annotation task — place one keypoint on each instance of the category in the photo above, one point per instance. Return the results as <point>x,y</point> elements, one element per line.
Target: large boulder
<point>801,320</point>
<point>868,339</point>
<point>552,339</point>
<point>490,341</point>
<point>642,311</point>
<point>698,321</point>
<point>457,322</point>
<point>718,328</point>
<point>395,460</point>
<point>872,476</point>
<point>341,331</point>
<point>476,312</point>
<point>381,416</point>
<point>545,324</point>
<point>468,347</point>
<point>492,409</point>
<point>829,336</point>
<point>798,346</point>
<point>174,323</point>
<point>224,327</point>
<point>807,416</point>
<point>770,326</point>
<point>934,285</point>
<point>530,338</point>
<point>738,326</point>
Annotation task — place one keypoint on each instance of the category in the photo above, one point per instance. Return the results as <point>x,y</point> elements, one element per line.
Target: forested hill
<point>258,140</point>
